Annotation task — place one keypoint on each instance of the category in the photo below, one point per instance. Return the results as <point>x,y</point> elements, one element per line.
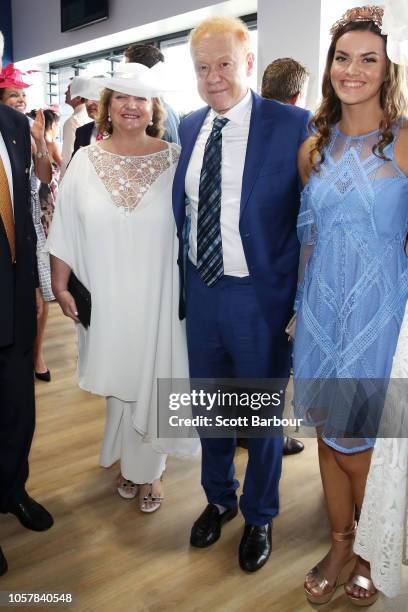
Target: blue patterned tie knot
<point>210,263</point>
<point>218,124</point>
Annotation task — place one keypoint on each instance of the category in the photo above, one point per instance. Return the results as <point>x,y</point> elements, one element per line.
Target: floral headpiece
<point>360,13</point>
<point>395,25</point>
<point>55,108</point>
<point>13,77</point>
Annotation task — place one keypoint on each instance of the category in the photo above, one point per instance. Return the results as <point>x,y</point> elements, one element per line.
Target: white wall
<point>290,29</point>
<point>36,24</point>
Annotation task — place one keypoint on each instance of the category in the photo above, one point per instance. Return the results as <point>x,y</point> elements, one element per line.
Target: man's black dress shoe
<point>207,528</point>
<point>291,446</point>
<point>30,513</point>
<point>255,547</point>
<point>3,563</point>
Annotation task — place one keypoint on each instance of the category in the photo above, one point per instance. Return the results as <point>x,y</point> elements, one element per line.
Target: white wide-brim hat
<point>395,25</point>
<point>85,87</point>
<point>137,80</point>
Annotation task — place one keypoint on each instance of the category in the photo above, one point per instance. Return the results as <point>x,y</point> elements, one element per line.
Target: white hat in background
<point>85,87</point>
<point>137,80</point>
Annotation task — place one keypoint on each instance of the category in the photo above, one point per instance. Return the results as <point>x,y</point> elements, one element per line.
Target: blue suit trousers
<point>228,337</point>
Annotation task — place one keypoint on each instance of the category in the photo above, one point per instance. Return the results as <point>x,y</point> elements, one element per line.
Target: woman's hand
<point>42,164</point>
<point>38,127</point>
<point>67,303</point>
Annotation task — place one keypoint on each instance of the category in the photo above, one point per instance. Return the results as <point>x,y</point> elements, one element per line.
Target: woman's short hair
<point>105,126</point>
<point>222,25</point>
<point>392,97</point>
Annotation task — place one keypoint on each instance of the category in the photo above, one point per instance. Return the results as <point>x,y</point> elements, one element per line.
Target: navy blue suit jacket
<point>269,203</point>
<point>18,316</point>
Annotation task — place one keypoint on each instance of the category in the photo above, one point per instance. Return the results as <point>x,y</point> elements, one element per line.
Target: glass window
<point>64,78</point>
<point>184,98</point>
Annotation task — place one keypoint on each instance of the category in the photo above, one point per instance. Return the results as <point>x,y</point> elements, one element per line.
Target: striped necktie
<point>210,263</point>
<point>6,211</point>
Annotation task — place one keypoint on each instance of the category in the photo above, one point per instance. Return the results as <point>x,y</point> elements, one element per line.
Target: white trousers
<point>139,462</point>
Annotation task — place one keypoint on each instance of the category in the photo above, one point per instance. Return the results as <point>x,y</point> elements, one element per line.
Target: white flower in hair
<point>395,25</point>
<point>138,80</point>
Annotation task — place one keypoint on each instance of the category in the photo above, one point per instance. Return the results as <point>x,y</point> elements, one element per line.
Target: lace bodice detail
<point>128,178</point>
<point>353,149</point>
<point>358,198</point>
<point>350,164</point>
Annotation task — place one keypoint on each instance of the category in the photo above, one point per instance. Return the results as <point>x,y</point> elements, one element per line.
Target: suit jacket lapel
<point>10,138</point>
<point>258,143</point>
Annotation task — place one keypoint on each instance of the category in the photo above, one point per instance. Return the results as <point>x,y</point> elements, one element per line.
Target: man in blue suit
<point>238,176</point>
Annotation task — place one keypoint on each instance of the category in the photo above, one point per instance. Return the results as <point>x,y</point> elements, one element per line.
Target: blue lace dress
<point>353,286</point>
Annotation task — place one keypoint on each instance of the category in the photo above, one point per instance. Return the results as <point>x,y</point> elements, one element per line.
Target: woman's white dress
<point>114,227</point>
<point>382,534</point>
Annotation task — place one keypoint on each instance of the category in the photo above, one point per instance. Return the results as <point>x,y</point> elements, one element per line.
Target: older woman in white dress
<point>114,228</point>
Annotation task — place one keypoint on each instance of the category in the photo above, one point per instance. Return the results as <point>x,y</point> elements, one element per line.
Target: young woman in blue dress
<point>353,287</point>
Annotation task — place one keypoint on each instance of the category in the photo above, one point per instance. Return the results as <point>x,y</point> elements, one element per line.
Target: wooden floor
<point>113,558</point>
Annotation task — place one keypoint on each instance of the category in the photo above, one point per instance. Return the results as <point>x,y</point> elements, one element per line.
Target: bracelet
<point>41,154</point>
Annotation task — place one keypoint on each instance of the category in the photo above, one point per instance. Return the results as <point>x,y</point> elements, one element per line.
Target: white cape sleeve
<point>64,238</point>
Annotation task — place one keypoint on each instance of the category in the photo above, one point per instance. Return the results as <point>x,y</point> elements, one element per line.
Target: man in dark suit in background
<point>286,80</point>
<point>86,134</point>
<point>19,282</point>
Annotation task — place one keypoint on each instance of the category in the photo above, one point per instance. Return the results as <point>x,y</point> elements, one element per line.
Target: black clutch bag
<point>82,299</point>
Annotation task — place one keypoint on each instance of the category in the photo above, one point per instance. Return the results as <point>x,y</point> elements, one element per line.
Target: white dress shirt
<point>77,119</point>
<point>7,167</point>
<point>234,145</point>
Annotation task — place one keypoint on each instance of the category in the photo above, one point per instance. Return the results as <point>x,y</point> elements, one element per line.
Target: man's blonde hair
<point>222,25</point>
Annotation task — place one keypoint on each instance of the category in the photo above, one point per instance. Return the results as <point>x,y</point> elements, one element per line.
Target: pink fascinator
<point>55,108</point>
<point>13,77</point>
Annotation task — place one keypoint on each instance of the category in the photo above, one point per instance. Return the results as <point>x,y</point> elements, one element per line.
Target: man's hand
<point>67,303</point>
<point>39,303</point>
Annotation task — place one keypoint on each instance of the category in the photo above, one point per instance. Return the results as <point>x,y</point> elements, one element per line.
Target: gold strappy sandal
<point>367,585</point>
<point>323,591</point>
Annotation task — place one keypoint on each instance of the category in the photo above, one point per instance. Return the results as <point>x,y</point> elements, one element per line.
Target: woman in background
<point>48,191</point>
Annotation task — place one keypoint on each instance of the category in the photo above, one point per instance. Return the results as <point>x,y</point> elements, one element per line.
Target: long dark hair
<point>392,98</point>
